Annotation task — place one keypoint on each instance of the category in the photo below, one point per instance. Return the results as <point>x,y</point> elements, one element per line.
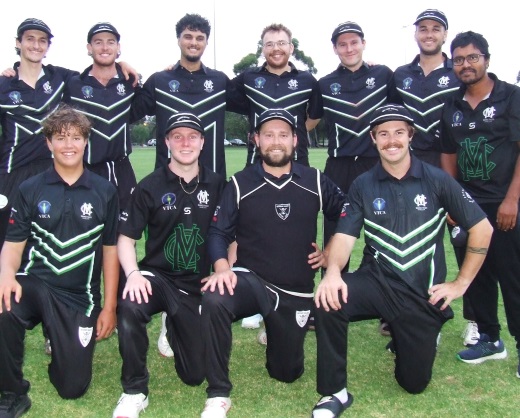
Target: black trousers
<point>501,266</point>
<point>285,318</point>
<point>183,333</point>
<point>72,333</point>
<point>414,322</point>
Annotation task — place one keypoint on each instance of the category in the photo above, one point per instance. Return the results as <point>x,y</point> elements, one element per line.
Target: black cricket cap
<point>102,27</point>
<point>271,114</point>
<point>184,120</point>
<point>347,27</point>
<point>433,14</point>
<point>390,112</point>
<point>33,24</point>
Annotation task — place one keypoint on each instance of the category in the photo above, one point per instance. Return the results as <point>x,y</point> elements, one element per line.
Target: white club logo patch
<point>283,210</point>
<point>302,317</point>
<point>86,210</point>
<point>85,335</point>
<point>420,201</point>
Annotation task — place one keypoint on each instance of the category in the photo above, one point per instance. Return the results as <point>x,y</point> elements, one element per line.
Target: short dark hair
<point>193,22</point>
<point>464,39</point>
<point>277,27</point>
<point>64,118</point>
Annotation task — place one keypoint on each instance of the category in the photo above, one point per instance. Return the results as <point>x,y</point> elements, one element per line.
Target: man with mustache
<point>480,145</point>
<point>271,209</point>
<point>401,203</point>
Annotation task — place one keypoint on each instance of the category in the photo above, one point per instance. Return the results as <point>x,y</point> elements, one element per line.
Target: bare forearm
<point>478,243</point>
<point>126,254</point>
<point>110,276</point>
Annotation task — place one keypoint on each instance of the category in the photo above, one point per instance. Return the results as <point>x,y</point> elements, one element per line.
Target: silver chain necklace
<point>193,191</point>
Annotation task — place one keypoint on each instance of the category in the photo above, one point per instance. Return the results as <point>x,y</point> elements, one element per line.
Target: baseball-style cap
<point>388,113</point>
<point>433,14</point>
<point>271,114</point>
<point>346,27</point>
<point>184,120</point>
<point>102,27</point>
<point>458,237</point>
<point>33,24</point>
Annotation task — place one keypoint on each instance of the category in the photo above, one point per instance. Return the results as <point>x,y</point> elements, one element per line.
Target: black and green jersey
<point>404,220</point>
<point>66,228</point>
<point>485,140</point>
<point>424,97</point>
<point>175,218</point>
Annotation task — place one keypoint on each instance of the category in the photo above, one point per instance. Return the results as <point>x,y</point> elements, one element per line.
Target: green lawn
<point>457,389</point>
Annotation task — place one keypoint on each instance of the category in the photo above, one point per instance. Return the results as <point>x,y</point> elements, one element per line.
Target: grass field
<point>457,389</point>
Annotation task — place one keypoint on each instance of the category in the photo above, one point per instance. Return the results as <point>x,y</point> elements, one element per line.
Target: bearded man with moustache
<point>279,84</point>
<point>271,209</point>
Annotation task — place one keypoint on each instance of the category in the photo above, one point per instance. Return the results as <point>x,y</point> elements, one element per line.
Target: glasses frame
<point>280,44</point>
<point>471,58</point>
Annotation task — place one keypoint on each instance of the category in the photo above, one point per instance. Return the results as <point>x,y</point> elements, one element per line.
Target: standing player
<point>480,141</point>
<point>278,83</point>
<point>425,84</point>
<point>402,204</point>
<point>189,86</point>
<point>350,94</point>
<point>289,196</point>
<point>63,228</point>
<point>25,100</point>
<point>174,205</point>
<point>102,93</point>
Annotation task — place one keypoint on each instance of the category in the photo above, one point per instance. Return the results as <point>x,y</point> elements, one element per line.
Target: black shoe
<point>390,347</point>
<point>13,405</point>
<point>333,404</point>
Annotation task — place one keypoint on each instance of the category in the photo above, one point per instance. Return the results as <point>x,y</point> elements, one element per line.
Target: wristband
<point>129,274</point>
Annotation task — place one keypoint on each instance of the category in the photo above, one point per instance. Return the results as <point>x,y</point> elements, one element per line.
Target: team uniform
<point>23,151</point>
<point>109,144</point>
<point>486,141</point>
<point>424,98</point>
<point>349,98</point>
<point>65,228</point>
<point>274,277</point>
<point>296,91</point>
<point>203,92</point>
<point>176,218</point>
<point>404,224</point>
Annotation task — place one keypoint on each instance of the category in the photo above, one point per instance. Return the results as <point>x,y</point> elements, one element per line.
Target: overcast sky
<point>149,43</point>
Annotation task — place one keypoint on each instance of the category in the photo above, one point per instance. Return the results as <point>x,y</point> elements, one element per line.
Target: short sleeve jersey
<point>22,109</point>
<point>296,91</point>
<point>175,222</point>
<point>485,140</point>
<point>66,228</point>
<point>424,97</point>
<point>202,93</point>
<point>349,98</point>
<point>404,221</point>
<point>108,107</point>
<point>274,221</point>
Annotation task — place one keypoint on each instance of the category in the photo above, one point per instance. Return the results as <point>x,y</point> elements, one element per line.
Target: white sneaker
<point>252,322</point>
<point>262,337</point>
<point>470,334</point>
<point>216,408</point>
<point>162,342</point>
<point>129,406</point>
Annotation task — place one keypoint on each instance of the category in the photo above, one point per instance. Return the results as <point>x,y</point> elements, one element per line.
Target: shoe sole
<point>497,356</point>
<point>252,326</point>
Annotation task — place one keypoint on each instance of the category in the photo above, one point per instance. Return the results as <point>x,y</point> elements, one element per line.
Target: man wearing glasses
<point>480,137</point>
<point>279,84</point>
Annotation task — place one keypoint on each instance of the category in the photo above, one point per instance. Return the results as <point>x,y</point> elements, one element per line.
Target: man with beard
<point>480,144</point>
<point>189,86</point>
<point>271,209</point>
<point>425,84</point>
<point>401,204</point>
<point>278,83</point>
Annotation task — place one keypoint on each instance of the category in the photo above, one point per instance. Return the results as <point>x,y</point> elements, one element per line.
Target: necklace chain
<point>193,191</point>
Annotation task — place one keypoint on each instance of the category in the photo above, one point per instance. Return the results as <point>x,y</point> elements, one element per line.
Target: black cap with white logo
<point>390,112</point>
<point>33,24</point>
<point>346,27</point>
<point>184,120</point>
<point>102,27</point>
<point>433,14</point>
<point>271,114</point>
